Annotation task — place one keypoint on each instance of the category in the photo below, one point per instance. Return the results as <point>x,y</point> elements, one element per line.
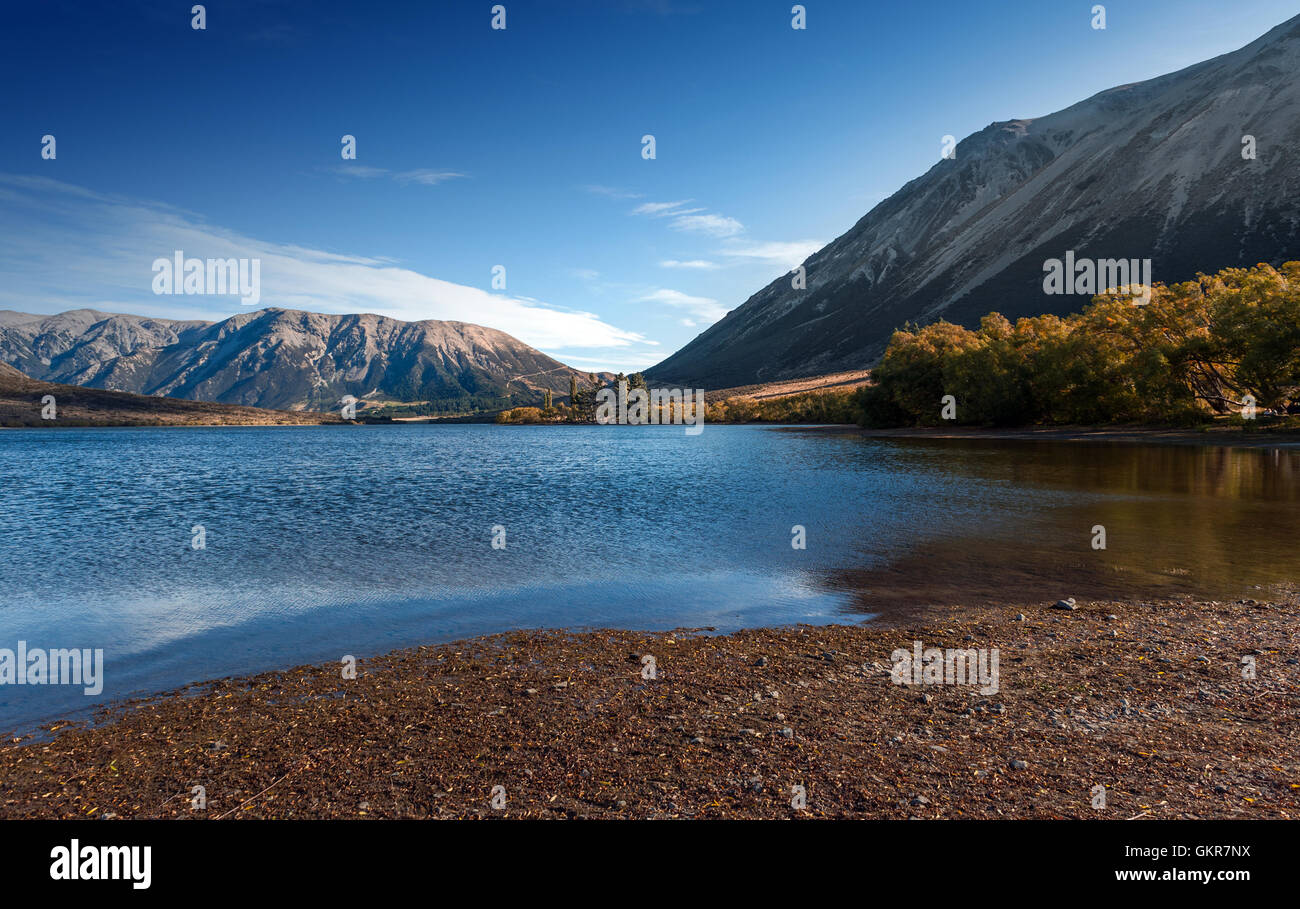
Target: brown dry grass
<point>20,405</point>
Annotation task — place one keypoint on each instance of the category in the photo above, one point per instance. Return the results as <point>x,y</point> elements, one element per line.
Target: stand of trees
<point>1195,350</point>
<point>581,407</point>
<point>806,407</point>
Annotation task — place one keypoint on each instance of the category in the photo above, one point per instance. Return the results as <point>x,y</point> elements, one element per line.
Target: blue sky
<point>479,147</point>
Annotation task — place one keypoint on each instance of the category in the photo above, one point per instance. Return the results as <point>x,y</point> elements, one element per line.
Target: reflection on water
<point>1204,521</point>
<point>326,541</point>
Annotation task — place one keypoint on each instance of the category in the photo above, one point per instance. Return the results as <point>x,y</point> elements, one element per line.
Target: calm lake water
<point>326,541</point>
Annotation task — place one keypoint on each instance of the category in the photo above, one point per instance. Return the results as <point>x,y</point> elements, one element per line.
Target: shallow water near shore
<point>326,541</point>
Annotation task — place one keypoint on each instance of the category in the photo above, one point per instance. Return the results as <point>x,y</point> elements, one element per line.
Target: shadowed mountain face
<point>1154,170</point>
<point>283,359</point>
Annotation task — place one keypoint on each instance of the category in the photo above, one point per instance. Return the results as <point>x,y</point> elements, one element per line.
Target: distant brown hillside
<point>20,405</point>
<point>837,381</point>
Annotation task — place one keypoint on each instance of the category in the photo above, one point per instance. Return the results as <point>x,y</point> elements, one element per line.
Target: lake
<point>323,541</point>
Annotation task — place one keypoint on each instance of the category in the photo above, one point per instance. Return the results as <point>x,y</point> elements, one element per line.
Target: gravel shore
<point>1151,700</point>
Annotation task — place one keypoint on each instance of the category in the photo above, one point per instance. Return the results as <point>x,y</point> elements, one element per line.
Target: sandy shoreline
<point>1146,699</point>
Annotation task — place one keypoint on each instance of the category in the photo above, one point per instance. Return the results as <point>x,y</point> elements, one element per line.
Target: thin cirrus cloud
<point>690,264</point>
<point>66,247</point>
<point>785,255</point>
<point>712,225</point>
<point>691,220</point>
<point>424,175</point>
<point>612,192</point>
<point>698,309</point>
<point>662,209</point>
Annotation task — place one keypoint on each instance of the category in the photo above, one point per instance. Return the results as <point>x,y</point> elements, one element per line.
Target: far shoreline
<point>1163,436</point>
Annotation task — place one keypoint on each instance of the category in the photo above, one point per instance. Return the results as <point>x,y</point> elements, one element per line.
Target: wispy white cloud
<point>703,309</point>
<point>693,264</point>
<point>357,171</point>
<point>424,175</point>
<point>624,362</point>
<point>663,209</point>
<point>712,225</point>
<point>612,192</point>
<point>64,247</point>
<point>691,220</point>
<point>786,255</point>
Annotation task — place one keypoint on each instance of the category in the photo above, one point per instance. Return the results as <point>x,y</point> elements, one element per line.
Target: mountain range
<point>1158,170</point>
<point>284,359</point>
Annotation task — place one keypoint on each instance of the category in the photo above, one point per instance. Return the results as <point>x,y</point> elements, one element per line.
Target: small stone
<point>1019,765</point>
<point>1020,617</point>
<point>787,732</point>
<point>1067,605</point>
<point>919,800</point>
<point>697,741</point>
<point>926,698</point>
